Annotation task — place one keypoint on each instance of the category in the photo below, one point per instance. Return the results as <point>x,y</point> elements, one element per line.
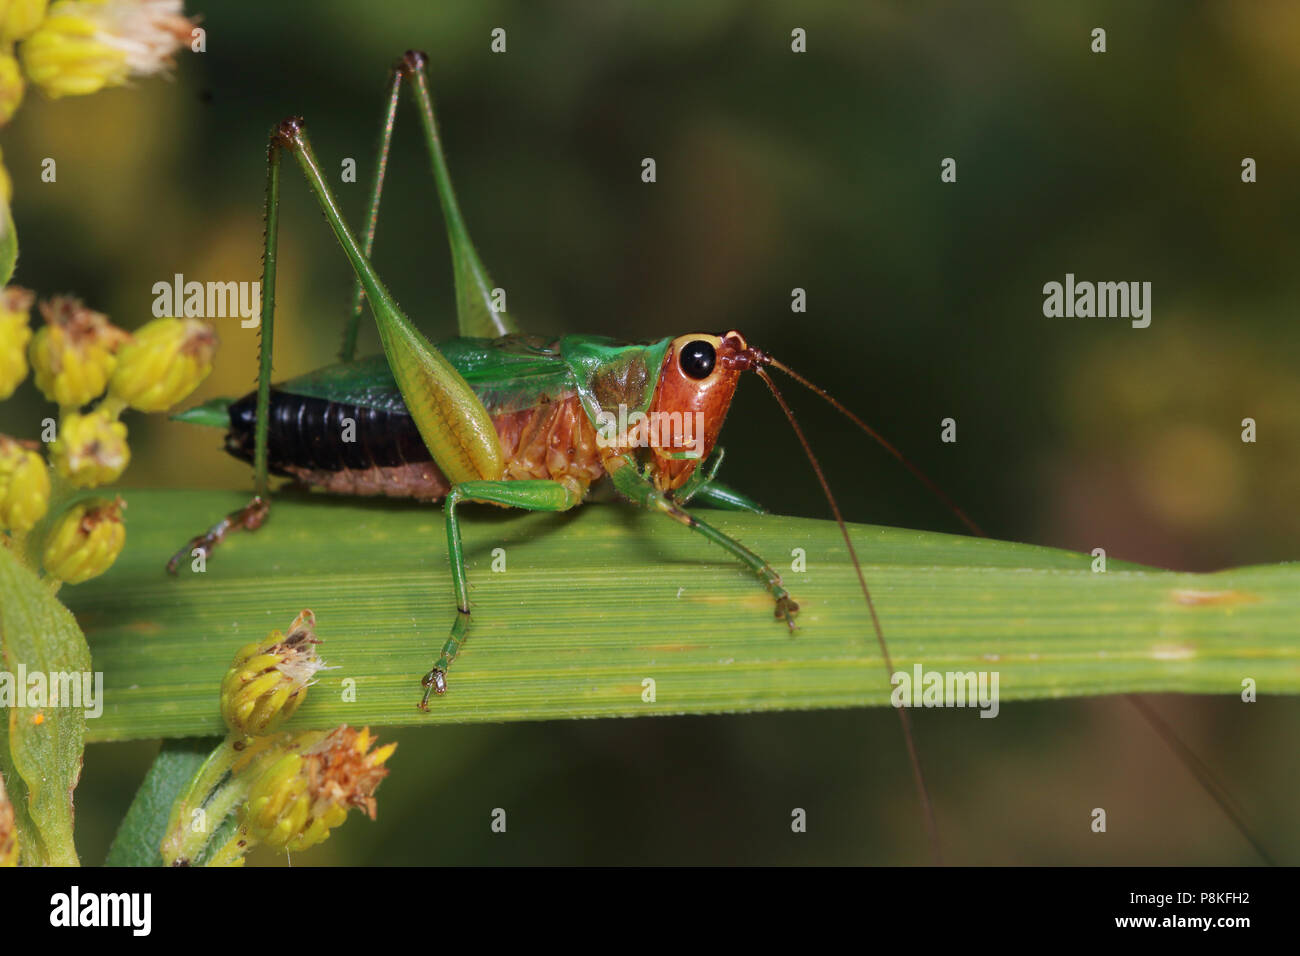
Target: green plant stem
<point>185,842</point>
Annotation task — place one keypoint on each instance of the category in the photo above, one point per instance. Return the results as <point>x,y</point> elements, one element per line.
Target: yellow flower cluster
<point>75,47</point>
<point>79,356</point>
<point>24,486</point>
<point>292,788</point>
<point>74,353</point>
<point>83,46</point>
<point>91,449</point>
<point>163,363</point>
<point>269,679</point>
<point>86,540</point>
<point>301,797</point>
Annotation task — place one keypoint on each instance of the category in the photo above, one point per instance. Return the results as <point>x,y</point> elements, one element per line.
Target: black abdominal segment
<point>308,433</point>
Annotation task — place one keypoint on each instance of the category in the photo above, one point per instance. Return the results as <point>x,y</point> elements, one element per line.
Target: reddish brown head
<point>696,384</point>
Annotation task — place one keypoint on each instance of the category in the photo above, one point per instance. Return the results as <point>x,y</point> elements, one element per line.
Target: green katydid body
<point>534,389</point>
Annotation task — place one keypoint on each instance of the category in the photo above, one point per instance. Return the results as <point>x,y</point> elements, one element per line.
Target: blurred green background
<point>776,170</point>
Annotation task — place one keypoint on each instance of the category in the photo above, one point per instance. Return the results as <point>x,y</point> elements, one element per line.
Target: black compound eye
<point>697,358</point>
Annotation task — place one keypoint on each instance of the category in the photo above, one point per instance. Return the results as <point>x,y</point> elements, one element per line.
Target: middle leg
<point>534,495</point>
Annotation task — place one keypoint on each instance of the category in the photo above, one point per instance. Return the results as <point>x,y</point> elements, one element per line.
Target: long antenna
<point>924,478</point>
<point>931,825</point>
<point>1201,771</point>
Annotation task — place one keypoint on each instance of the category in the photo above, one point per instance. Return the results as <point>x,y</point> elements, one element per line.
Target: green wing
<point>508,374</point>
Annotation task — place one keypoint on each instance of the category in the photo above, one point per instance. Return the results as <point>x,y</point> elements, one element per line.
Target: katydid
<point>493,416</point>
<point>496,416</point>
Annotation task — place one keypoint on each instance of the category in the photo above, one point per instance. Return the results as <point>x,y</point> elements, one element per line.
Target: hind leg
<point>253,515</point>
<point>248,518</point>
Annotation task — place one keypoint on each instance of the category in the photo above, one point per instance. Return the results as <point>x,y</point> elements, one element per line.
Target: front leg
<point>538,495</point>
<point>704,488</point>
<point>714,494</point>
<point>640,490</point>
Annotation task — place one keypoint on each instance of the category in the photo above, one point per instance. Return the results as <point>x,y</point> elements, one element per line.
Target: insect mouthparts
<point>739,356</point>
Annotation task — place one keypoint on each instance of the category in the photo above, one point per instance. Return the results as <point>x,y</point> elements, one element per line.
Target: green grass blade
<point>592,603</point>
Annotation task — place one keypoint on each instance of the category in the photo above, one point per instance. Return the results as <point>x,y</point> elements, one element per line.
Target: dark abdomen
<point>305,441</point>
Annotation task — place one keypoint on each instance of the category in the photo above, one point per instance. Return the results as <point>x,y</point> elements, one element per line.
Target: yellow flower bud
<point>269,680</point>
<point>24,486</point>
<point>20,17</point>
<point>90,450</point>
<point>301,797</point>
<point>8,831</point>
<point>15,333</point>
<point>12,86</point>
<point>83,46</point>
<point>86,540</point>
<point>163,363</point>
<point>74,354</point>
